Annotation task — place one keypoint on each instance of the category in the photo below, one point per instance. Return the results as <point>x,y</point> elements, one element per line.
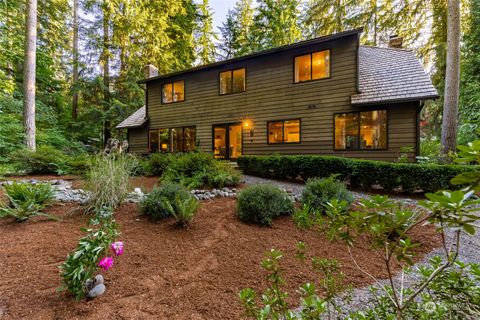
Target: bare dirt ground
<point>165,272</point>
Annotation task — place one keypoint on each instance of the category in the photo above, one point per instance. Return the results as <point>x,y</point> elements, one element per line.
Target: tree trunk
<point>29,67</point>
<point>452,79</point>
<point>106,74</point>
<point>75,62</point>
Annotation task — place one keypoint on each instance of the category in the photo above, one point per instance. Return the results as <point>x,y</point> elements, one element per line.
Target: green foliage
<point>318,192</point>
<point>27,201</point>
<point>306,216</point>
<point>47,160</point>
<point>404,151</point>
<point>359,173</point>
<point>196,169</point>
<point>157,163</point>
<point>261,203</point>
<point>108,178</point>
<point>81,264</point>
<point>171,199</point>
<point>182,210</point>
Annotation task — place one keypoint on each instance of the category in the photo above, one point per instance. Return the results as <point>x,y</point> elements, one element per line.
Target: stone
<point>98,290</point>
<point>98,279</point>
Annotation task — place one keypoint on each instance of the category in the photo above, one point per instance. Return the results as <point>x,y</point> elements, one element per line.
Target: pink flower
<point>117,247</point>
<point>106,263</point>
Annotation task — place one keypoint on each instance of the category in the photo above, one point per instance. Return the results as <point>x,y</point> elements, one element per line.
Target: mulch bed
<point>166,272</point>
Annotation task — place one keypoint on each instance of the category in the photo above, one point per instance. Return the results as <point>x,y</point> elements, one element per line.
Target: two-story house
<point>328,96</point>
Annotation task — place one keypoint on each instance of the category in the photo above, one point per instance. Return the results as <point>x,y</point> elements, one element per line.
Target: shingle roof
<point>136,119</point>
<point>391,75</point>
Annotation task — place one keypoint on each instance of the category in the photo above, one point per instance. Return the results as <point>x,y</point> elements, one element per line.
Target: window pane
<point>177,139</point>
<point>164,140</point>
<point>167,93</point>
<point>303,68</point>
<point>239,80</point>
<point>321,64</point>
<point>153,140</point>
<point>220,142</point>
<point>346,131</point>
<point>190,138</point>
<point>292,131</point>
<point>373,129</point>
<point>178,91</point>
<point>226,82</point>
<point>275,132</point>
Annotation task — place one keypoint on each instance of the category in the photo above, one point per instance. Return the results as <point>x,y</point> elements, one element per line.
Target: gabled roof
<point>136,119</point>
<point>261,53</point>
<point>391,75</point>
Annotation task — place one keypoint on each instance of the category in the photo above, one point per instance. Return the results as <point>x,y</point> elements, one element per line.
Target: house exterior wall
<point>270,95</point>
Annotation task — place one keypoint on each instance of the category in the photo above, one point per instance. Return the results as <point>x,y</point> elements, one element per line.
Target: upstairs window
<point>232,81</point>
<point>312,66</point>
<point>365,130</point>
<point>173,92</point>
<point>285,131</point>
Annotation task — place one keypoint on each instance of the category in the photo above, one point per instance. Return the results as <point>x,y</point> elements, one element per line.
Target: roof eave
<point>144,122</point>
<point>259,54</point>
<point>394,101</point>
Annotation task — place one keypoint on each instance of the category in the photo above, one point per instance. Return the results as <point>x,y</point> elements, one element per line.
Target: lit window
<point>181,139</point>
<point>173,92</point>
<point>312,66</point>
<point>232,81</point>
<point>286,131</point>
<point>361,130</point>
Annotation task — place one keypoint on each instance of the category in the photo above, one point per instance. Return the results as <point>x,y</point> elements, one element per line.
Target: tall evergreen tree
<point>243,14</point>
<point>452,79</point>
<point>276,23</point>
<point>228,31</point>
<point>205,34</point>
<point>325,17</point>
<point>29,73</point>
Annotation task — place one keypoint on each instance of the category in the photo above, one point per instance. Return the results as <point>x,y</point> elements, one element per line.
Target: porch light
<point>247,124</point>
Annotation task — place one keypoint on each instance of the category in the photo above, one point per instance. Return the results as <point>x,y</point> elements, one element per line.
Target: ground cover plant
<point>170,200</point>
<point>262,203</point>
<point>107,180</point>
<point>193,170</point>
<point>386,227</point>
<point>364,174</point>
<point>26,201</point>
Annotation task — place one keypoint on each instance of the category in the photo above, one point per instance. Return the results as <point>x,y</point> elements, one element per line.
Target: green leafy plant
<point>318,192</point>
<point>82,263</point>
<point>182,209</point>
<point>261,203</point>
<point>305,216</point>
<point>108,178</point>
<point>27,201</point>
<point>404,151</point>
<point>157,163</point>
<point>161,202</point>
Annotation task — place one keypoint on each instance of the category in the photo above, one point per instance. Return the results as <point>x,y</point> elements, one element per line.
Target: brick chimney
<point>395,41</point>
<point>150,71</point>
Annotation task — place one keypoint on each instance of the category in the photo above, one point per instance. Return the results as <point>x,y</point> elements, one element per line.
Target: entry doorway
<point>227,141</point>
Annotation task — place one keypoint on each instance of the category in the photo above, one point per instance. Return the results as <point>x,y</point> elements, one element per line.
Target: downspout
<point>358,63</point>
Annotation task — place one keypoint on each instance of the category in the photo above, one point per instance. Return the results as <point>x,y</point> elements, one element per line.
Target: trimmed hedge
<point>359,173</point>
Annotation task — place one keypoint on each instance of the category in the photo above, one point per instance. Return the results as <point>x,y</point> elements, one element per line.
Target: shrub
<point>45,160</point>
<point>305,217</point>
<point>183,210</point>
<point>360,173</point>
<point>156,163</point>
<point>161,202</point>
<point>108,178</point>
<point>196,169</point>
<point>261,203</point>
<point>27,201</point>
<point>318,192</point>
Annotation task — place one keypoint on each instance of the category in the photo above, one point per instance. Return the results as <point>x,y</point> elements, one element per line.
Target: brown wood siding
<point>138,140</point>
<point>271,94</point>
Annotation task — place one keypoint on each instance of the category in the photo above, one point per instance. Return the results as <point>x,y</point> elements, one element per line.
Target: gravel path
<point>361,297</point>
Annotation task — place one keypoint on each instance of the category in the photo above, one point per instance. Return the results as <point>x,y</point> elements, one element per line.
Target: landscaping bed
<point>167,272</point>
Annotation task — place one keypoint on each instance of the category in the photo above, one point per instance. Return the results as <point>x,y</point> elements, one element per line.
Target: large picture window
<point>366,130</point>
<point>312,66</point>
<point>232,81</point>
<point>181,139</point>
<point>285,131</point>
<point>173,92</point>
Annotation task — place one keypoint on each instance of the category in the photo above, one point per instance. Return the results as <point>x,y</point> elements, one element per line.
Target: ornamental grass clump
<point>261,203</point>
<point>108,179</point>
<point>319,192</point>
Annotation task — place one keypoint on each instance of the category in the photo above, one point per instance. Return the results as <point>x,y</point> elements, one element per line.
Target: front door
<point>227,141</point>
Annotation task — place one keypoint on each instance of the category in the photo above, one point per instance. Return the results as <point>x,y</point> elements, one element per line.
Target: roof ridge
<point>386,48</point>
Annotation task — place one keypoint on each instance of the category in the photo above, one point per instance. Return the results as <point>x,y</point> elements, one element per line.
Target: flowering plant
<point>106,263</point>
<point>117,248</point>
